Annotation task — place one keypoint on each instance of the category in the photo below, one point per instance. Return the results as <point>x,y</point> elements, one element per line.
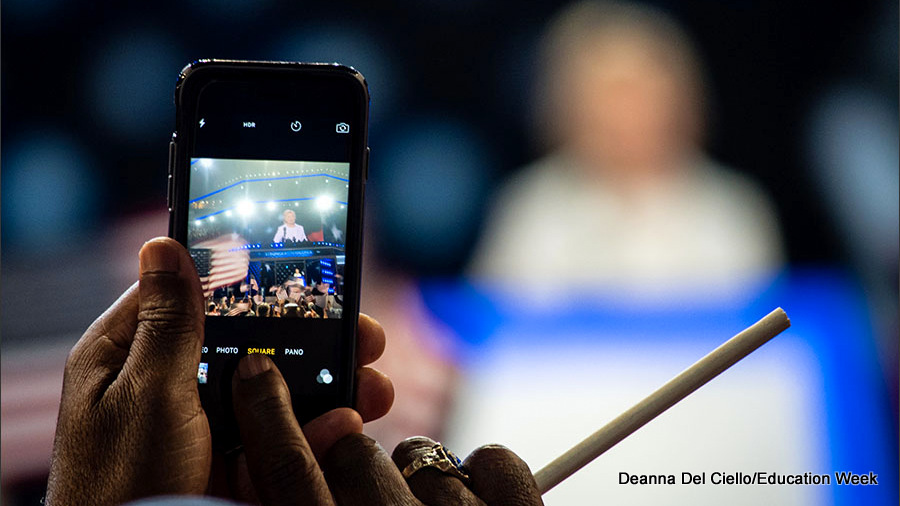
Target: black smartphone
<point>267,172</point>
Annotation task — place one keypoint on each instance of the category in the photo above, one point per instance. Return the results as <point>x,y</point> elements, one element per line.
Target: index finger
<point>500,478</point>
<point>370,340</point>
<point>361,472</point>
<point>280,461</point>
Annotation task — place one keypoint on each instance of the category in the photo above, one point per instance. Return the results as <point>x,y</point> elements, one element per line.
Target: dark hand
<point>359,471</point>
<point>286,469</point>
<point>279,461</point>
<point>497,476</point>
<point>130,422</point>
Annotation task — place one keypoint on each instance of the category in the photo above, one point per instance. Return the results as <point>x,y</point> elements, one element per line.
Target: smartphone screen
<point>267,197</point>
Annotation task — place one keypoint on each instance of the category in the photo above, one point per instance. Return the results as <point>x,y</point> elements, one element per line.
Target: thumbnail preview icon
<point>203,373</point>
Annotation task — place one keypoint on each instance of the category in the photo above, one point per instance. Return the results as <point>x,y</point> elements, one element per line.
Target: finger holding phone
<point>131,423</point>
<point>285,469</point>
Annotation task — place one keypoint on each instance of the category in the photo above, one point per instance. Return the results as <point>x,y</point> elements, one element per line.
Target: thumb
<point>169,333</point>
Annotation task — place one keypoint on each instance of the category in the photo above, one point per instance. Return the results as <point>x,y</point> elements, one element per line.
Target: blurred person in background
<point>626,197</point>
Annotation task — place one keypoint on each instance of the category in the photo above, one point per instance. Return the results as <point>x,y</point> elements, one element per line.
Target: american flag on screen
<point>220,262</point>
<point>238,309</point>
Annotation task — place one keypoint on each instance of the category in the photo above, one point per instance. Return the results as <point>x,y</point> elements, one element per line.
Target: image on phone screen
<point>268,236</point>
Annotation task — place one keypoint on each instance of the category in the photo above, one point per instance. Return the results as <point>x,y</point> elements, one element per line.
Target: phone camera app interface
<point>268,237</point>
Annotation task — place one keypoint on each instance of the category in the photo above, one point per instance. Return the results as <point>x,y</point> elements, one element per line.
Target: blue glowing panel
<point>540,378</point>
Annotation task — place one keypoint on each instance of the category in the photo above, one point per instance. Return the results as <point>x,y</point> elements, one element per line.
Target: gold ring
<point>438,457</point>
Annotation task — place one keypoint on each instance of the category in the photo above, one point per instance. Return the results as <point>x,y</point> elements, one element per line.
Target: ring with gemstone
<point>438,457</point>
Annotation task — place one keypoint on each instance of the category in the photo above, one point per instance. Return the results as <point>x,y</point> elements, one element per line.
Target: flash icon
<point>202,122</point>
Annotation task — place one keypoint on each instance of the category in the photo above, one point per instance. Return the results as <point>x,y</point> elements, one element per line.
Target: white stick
<point>662,399</point>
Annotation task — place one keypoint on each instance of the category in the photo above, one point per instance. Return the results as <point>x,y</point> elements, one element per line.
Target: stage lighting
<point>206,163</point>
<point>324,203</point>
<point>270,206</point>
<point>228,213</point>
<point>245,208</point>
<point>198,222</point>
<point>212,219</point>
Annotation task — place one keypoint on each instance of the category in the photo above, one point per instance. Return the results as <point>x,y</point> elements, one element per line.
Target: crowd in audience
<point>283,302</point>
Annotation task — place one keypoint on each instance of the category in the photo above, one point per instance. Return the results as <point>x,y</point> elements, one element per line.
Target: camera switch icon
<point>296,126</point>
<point>342,128</point>
<point>324,377</point>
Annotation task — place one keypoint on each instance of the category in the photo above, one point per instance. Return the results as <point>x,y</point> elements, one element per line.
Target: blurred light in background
<point>351,45</point>
<point>853,143</point>
<point>131,82</point>
<point>850,142</point>
<point>50,192</point>
<point>430,181</point>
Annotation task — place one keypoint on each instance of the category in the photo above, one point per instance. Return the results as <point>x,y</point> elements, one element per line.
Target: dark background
<point>96,79</point>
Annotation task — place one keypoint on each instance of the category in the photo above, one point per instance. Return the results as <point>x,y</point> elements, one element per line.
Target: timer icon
<point>295,126</point>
